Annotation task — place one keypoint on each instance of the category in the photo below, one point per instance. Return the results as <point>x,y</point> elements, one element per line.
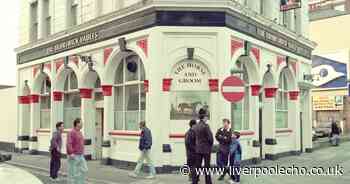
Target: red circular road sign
<point>232,89</point>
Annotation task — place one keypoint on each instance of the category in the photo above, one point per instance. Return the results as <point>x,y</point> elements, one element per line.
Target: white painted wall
<point>8,115</point>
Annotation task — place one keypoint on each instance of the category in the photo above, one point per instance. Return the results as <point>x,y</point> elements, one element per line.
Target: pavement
<point>325,158</point>
<point>14,175</point>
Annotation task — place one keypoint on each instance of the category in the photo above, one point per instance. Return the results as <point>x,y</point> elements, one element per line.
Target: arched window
<point>130,97</point>
<point>282,102</point>
<point>72,101</point>
<point>240,110</point>
<point>45,103</point>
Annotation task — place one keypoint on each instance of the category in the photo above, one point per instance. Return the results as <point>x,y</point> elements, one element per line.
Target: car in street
<point>314,135</point>
<point>13,175</point>
<point>323,129</point>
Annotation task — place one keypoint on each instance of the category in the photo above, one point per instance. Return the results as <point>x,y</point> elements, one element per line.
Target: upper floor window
<point>47,18</point>
<point>34,21</point>
<point>73,7</point>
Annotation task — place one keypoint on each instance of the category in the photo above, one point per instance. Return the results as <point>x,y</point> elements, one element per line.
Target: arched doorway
<point>93,110</point>
<point>267,116</point>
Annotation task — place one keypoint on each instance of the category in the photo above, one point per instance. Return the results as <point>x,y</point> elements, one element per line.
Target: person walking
<point>77,166</point>
<point>55,151</point>
<point>235,158</point>
<point>190,142</point>
<point>145,145</point>
<point>335,133</point>
<point>204,145</point>
<point>224,137</point>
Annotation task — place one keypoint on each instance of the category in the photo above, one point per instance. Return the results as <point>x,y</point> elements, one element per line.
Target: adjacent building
<point>330,61</point>
<point>114,63</point>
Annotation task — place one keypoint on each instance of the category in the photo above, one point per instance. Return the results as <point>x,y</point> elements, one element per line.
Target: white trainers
<point>133,175</point>
<point>150,177</point>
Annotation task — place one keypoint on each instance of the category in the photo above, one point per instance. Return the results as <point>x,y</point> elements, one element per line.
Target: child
<point>235,157</point>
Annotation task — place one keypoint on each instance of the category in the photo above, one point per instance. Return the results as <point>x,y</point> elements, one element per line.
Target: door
<point>99,133</point>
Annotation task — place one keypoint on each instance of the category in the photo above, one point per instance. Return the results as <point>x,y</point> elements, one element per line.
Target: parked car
<point>314,135</point>
<point>323,129</point>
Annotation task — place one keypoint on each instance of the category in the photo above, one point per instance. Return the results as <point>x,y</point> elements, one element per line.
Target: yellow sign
<point>327,102</point>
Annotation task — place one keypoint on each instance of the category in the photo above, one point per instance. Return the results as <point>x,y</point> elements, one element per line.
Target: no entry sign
<point>232,89</point>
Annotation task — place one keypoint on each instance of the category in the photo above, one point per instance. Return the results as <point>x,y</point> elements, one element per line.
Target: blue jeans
<point>145,155</point>
<point>77,169</point>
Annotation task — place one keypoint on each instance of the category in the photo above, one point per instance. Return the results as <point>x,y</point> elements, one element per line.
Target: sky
<point>9,16</point>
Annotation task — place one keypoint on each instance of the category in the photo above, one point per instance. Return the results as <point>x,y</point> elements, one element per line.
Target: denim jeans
<point>145,155</point>
<point>77,169</point>
<point>55,163</point>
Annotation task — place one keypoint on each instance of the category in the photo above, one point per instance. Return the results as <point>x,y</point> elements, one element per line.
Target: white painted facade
<point>8,115</point>
<point>160,49</point>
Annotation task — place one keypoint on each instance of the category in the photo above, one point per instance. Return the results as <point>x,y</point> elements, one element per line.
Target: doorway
<point>98,133</point>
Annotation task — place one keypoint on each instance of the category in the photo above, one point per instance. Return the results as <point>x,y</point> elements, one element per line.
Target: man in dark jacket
<point>190,142</point>
<point>223,136</point>
<point>204,144</point>
<point>335,134</point>
<point>145,145</point>
<point>55,151</point>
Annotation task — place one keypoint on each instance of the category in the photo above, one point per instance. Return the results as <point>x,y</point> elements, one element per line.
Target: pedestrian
<point>55,151</point>
<point>77,166</point>
<point>145,145</point>
<point>224,137</point>
<point>335,133</point>
<point>235,158</point>
<point>190,142</point>
<point>204,145</point>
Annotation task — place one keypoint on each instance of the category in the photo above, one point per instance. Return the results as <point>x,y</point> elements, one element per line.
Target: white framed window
<point>47,18</point>
<point>240,110</point>
<point>73,15</point>
<point>45,104</point>
<point>282,102</point>
<point>129,94</point>
<point>72,100</point>
<point>33,21</point>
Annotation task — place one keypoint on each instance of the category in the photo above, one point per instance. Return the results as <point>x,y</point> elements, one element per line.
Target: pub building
<point>161,62</point>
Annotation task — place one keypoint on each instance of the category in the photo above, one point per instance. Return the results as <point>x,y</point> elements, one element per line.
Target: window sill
<point>125,133</point>
<point>284,130</point>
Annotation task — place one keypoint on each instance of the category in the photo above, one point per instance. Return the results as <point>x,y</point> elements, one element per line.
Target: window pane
<point>143,97</point>
<point>118,121</point>
<point>119,77</point>
<point>131,120</point>
<point>98,83</point>
<point>132,67</point>
<point>118,98</point>
<point>142,71</point>
<point>45,102</point>
<point>281,119</point>
<point>245,113</point>
<point>70,114</point>
<point>73,81</point>
<point>132,97</point>
<point>236,113</point>
<point>98,96</point>
<point>72,100</point>
<point>45,118</point>
<point>66,85</point>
